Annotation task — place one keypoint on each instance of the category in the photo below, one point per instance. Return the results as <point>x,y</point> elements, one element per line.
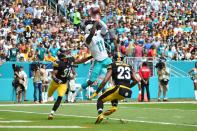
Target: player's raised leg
<point>100,111</point>
<point>112,109</point>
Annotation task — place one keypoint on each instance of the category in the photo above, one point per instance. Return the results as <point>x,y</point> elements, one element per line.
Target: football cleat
<point>99,119</point>
<point>110,111</point>
<point>50,117</point>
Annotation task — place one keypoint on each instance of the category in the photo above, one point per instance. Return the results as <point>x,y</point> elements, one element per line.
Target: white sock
<point>45,96</point>
<point>69,96</point>
<point>42,96</point>
<point>73,96</point>
<point>195,92</point>
<point>52,112</point>
<point>100,110</point>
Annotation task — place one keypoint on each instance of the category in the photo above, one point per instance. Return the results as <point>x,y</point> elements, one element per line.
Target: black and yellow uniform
<point>63,71</point>
<point>121,75</point>
<point>60,77</point>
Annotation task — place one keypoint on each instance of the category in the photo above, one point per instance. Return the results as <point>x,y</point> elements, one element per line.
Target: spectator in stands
<point>152,52</point>
<point>77,18</point>
<point>13,53</point>
<point>193,74</point>
<point>54,50</point>
<point>138,53</point>
<point>40,52</point>
<point>30,56</point>
<point>49,57</point>
<point>148,20</point>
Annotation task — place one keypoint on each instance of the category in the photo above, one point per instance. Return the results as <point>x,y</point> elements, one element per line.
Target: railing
<point>137,61</point>
<point>176,72</point>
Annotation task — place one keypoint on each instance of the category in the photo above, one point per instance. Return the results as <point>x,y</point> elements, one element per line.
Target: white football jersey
<point>97,46</point>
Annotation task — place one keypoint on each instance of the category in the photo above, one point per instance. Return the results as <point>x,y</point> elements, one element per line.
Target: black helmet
<point>62,56</point>
<point>118,56</point>
<point>70,59</point>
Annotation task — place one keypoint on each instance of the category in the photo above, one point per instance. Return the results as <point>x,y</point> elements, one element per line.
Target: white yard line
<point>154,122</point>
<point>121,103</point>
<point>164,109</point>
<point>116,119</point>
<point>14,121</point>
<point>41,127</point>
<point>128,103</point>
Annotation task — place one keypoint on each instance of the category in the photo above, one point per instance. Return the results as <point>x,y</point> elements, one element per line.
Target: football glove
<point>93,95</point>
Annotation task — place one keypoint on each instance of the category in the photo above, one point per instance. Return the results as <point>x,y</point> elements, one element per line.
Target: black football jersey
<point>121,73</point>
<point>63,70</point>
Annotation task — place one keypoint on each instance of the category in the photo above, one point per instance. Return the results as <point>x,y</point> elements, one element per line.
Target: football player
<point>60,76</point>
<point>95,42</point>
<point>122,74</point>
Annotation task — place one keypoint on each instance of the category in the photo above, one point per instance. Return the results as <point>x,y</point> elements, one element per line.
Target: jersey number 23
<point>124,72</point>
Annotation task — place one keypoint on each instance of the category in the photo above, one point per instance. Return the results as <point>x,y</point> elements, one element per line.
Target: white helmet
<point>88,28</point>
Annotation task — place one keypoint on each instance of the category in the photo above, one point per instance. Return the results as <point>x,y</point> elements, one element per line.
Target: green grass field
<point>81,117</point>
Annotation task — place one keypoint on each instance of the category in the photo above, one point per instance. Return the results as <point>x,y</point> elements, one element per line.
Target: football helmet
<point>118,56</point>
<point>88,28</point>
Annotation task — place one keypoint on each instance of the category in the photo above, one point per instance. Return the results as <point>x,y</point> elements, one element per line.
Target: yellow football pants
<point>61,88</point>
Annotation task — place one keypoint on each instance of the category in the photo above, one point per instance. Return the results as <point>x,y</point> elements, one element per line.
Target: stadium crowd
<point>30,31</point>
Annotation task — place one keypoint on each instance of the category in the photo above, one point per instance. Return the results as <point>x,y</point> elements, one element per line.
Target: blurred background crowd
<point>31,31</point>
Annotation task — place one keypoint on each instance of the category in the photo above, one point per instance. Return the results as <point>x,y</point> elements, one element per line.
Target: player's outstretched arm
<point>92,32</point>
<point>103,27</point>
